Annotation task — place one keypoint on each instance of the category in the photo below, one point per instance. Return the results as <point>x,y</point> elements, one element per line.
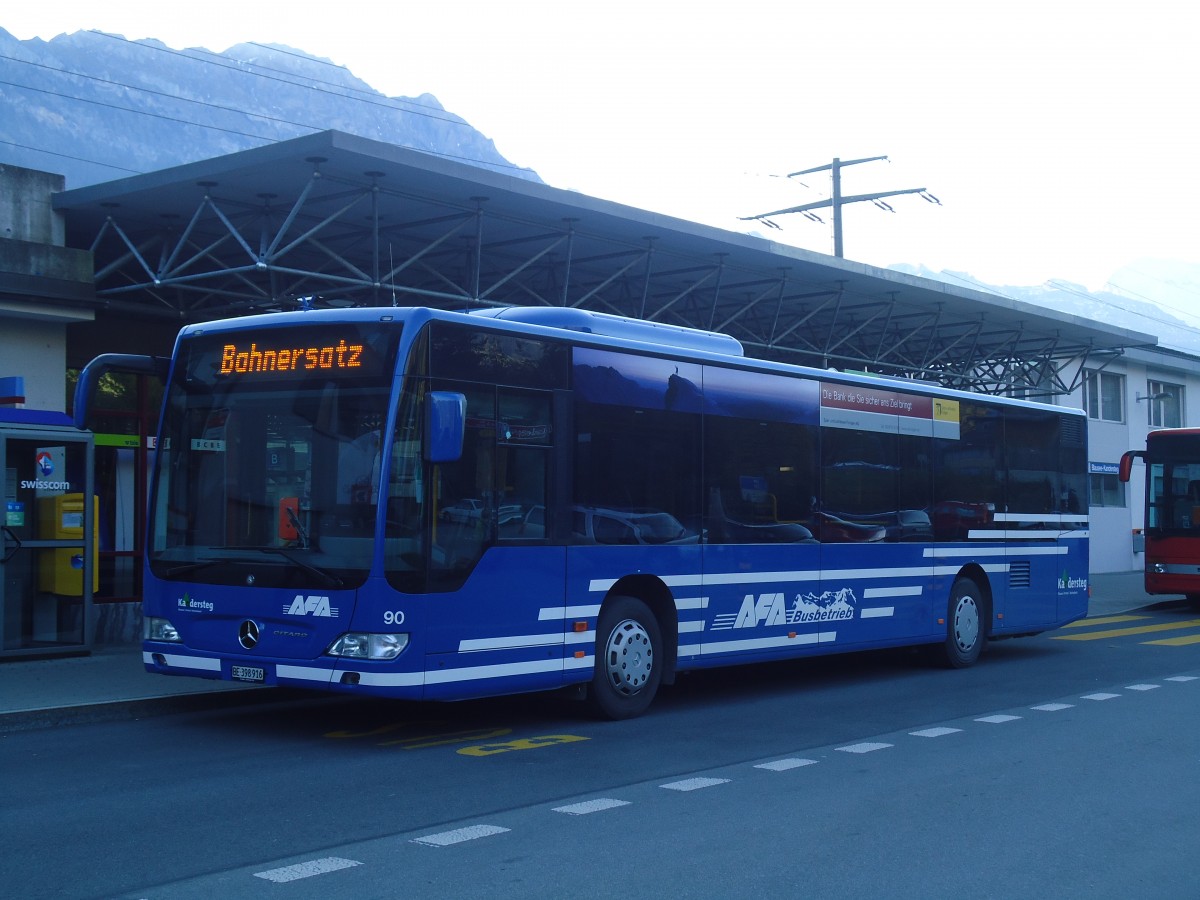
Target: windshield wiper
<point>329,577</point>
<point>184,568</point>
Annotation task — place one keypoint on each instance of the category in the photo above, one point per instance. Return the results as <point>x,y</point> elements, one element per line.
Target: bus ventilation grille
<point>1018,574</point>
<point>1073,431</point>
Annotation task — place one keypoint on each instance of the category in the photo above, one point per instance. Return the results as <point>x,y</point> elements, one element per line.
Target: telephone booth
<point>47,536</point>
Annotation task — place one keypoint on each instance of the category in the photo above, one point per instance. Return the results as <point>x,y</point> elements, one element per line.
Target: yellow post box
<point>60,569</point>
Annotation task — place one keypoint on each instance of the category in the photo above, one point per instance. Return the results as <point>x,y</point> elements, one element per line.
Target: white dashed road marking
<point>865,747</point>
<point>590,806</point>
<point>782,765</point>
<point>935,732</point>
<point>693,784</point>
<point>307,869</point>
<point>474,832</point>
<point>459,835</point>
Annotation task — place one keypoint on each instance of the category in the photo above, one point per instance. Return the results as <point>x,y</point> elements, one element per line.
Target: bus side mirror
<point>1126,466</point>
<point>445,426</point>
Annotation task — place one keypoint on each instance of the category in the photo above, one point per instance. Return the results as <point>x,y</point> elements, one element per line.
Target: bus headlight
<point>1158,569</point>
<point>159,630</point>
<point>362,645</point>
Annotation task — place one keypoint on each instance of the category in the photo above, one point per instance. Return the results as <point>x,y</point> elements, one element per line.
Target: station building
<point>335,220</point>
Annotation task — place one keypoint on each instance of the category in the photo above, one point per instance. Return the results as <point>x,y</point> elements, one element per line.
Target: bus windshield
<point>1173,500</point>
<point>269,457</point>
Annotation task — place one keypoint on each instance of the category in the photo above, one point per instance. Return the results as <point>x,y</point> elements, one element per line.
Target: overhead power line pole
<point>837,201</point>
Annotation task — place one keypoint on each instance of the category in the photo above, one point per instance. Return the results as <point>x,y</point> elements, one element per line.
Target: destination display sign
<point>240,359</point>
<point>341,351</point>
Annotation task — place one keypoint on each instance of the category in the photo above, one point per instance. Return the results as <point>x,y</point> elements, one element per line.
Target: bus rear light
<point>364,645</point>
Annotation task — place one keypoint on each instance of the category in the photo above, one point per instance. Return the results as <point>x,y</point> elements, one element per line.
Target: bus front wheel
<point>629,659</point>
<point>966,625</point>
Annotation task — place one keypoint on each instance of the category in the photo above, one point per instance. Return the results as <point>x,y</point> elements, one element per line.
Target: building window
<point>1106,490</point>
<point>1166,404</point>
<point>1104,396</point>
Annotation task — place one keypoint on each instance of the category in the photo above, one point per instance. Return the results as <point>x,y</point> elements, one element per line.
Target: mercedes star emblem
<point>248,634</point>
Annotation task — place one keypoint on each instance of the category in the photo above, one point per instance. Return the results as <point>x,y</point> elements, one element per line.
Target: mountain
<point>1129,309</point>
<point>95,107</point>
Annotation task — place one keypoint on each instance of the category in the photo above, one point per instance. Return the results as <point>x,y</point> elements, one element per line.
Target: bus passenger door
<point>493,550</point>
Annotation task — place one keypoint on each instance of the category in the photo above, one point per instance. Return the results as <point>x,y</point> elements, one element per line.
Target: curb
<point>149,707</point>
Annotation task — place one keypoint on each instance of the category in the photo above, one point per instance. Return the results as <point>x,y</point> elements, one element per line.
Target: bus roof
<point>599,329</point>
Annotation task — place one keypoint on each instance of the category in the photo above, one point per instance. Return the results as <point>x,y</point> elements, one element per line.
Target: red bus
<point>1172,521</point>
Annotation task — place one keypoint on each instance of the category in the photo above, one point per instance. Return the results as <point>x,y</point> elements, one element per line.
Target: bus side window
<point>637,437</point>
<point>523,439</point>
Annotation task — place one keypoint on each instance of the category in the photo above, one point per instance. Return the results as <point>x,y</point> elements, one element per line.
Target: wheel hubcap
<point>629,657</point>
<point>966,623</point>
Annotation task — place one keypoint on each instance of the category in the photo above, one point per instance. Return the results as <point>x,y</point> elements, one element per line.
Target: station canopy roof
<point>334,220</point>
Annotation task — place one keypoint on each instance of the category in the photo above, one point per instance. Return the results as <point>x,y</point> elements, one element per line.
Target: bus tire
<point>629,659</point>
<point>966,625</point>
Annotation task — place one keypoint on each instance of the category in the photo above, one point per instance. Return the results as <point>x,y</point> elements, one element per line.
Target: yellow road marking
<point>1104,620</point>
<point>1125,632</point>
<point>1177,641</point>
<point>532,743</point>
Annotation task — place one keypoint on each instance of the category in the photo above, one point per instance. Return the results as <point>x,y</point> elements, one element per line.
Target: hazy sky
<point>1060,136</point>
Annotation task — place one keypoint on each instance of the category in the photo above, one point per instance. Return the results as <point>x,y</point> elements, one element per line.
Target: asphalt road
<point>1062,765</point>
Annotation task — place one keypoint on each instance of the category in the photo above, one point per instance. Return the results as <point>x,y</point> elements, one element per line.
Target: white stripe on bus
<point>509,643</point>
<point>1018,534</point>
<point>185,662</point>
<point>516,641</point>
<point>562,613</point>
<point>910,590</point>
<point>305,673</point>
<point>769,643</point>
<point>744,578</point>
<point>1040,517</point>
<point>951,552</point>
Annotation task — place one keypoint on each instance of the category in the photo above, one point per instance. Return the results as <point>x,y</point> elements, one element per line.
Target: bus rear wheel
<point>966,625</point>
<point>629,659</point>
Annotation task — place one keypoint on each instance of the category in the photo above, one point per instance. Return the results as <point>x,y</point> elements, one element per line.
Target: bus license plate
<point>247,673</point>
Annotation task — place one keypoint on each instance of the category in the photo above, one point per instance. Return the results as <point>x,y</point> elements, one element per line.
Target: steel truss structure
<point>334,220</point>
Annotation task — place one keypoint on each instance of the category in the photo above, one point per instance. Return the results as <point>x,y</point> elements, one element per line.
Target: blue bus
<point>432,505</point>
